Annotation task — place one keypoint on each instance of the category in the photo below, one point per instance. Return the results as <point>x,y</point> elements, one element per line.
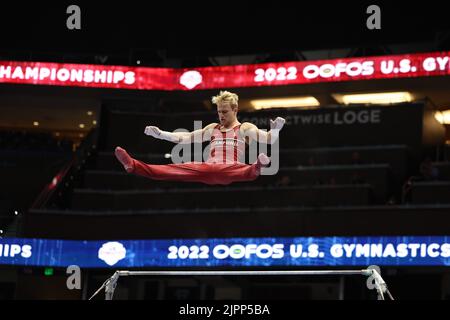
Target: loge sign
<point>269,74</point>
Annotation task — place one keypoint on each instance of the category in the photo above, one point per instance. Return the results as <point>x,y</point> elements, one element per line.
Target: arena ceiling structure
<point>182,34</point>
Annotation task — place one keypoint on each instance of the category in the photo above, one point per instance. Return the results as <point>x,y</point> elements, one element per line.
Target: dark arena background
<point>360,177</point>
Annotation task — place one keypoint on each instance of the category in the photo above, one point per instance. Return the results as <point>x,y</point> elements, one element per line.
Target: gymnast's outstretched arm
<point>181,137</point>
<point>269,137</point>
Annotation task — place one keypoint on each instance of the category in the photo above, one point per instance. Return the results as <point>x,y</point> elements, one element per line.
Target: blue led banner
<point>233,252</point>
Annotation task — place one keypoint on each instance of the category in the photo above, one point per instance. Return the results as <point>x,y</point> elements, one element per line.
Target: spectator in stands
<point>427,172</point>
<point>406,191</point>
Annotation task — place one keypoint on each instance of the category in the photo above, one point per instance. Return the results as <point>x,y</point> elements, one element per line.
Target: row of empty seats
<point>85,199</point>
<point>394,155</point>
<point>375,175</point>
<point>33,141</point>
<point>334,168</point>
<point>377,179</point>
<point>432,192</point>
<point>433,189</point>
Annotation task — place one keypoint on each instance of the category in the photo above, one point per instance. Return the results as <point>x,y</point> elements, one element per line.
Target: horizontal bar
<point>365,272</point>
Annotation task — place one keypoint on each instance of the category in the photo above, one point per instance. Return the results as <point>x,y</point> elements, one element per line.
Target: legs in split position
<point>208,173</point>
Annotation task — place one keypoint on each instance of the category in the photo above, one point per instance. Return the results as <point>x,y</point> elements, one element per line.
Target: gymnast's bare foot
<point>124,159</point>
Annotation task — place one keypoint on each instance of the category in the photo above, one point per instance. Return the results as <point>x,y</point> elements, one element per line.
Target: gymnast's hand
<point>152,131</point>
<point>277,124</point>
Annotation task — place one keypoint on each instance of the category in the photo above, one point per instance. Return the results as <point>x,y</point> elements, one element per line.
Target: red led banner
<point>269,74</point>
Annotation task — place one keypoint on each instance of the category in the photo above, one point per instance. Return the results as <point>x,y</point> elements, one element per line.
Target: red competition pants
<point>209,173</point>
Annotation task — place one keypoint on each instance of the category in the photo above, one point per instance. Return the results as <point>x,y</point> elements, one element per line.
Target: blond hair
<point>226,97</point>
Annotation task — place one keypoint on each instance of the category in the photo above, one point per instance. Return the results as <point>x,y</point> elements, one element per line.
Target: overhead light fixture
<point>443,117</point>
<point>292,102</point>
<point>90,113</point>
<point>81,125</point>
<point>373,98</point>
<point>94,122</point>
<point>35,123</point>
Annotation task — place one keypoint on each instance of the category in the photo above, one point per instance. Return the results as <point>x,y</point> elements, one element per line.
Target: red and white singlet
<point>227,146</point>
